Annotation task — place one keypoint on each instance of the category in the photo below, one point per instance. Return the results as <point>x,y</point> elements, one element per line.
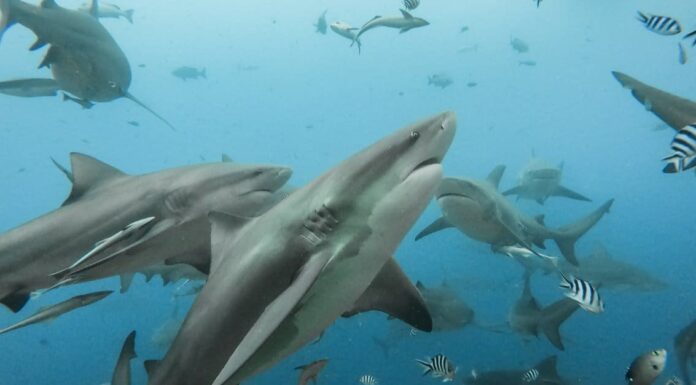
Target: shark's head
<point>464,193</point>
<point>239,189</point>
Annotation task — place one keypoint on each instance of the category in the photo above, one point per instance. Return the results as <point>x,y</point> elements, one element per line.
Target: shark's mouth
<point>428,162</point>
<point>458,195</point>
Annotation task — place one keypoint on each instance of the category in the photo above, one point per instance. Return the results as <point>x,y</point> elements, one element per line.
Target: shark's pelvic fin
<point>439,224</point>
<point>15,301</point>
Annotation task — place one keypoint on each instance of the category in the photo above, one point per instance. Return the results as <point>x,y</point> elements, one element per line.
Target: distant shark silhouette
<point>85,60</point>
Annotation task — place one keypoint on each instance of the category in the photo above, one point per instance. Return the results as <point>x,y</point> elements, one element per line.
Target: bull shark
<point>332,241</point>
<point>546,369</point>
<point>108,10</point>
<point>169,208</point>
<point>84,58</point>
<point>122,370</point>
<point>479,210</point>
<point>676,111</point>
<point>59,309</point>
<point>528,318</point>
<point>404,23</point>
<point>685,350</point>
<point>540,180</point>
<point>448,310</point>
<point>346,30</point>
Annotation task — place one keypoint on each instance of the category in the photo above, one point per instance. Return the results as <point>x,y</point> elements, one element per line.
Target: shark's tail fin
<point>6,19</point>
<point>566,236</point>
<point>547,371</point>
<point>128,95</point>
<point>553,316</point>
<point>203,74</point>
<point>128,14</point>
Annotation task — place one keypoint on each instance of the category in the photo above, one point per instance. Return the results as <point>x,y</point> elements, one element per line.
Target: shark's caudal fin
<point>568,193</point>
<point>6,19</point>
<point>122,372</point>
<point>547,371</point>
<point>566,236</point>
<point>130,96</point>
<point>553,316</point>
<point>439,224</point>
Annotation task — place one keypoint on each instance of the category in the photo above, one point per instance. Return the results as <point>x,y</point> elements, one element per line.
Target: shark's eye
<point>112,84</point>
<point>415,134</point>
<point>655,353</point>
<point>655,367</point>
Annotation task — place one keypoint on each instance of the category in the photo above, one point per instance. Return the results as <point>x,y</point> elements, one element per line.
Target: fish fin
<point>151,367</point>
<point>272,316</point>
<point>405,14</point>
<point>88,173</point>
<point>641,17</point>
<point>49,58</point>
<point>393,293</point>
<point>221,225</point>
<point>49,4</point>
<point>518,190</point>
<point>547,371</point>
<point>64,170</point>
<point>439,224</point>
<point>126,281</point>
<point>128,14</point>
<point>37,44</point>
<point>94,9</point>
<point>553,316</point>
<point>561,191</point>
<point>15,301</point>
<point>226,158</point>
<point>495,175</point>
<point>6,19</point>
<point>427,367</point>
<point>566,236</point>
<point>128,349</point>
<point>404,30</point>
<point>135,100</point>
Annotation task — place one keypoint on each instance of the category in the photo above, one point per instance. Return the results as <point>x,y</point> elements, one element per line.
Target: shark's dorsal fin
<point>393,293</point>
<point>226,158</point>
<point>94,9</point>
<point>49,4</point>
<point>221,226</point>
<point>495,176</point>
<point>406,14</point>
<point>88,173</point>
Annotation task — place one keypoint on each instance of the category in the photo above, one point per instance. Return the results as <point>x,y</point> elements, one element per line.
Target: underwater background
<point>277,92</point>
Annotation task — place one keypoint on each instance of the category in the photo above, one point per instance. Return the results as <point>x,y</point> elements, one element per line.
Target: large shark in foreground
<point>85,60</point>
<point>479,210</point>
<point>144,220</point>
<point>540,180</point>
<point>288,274</point>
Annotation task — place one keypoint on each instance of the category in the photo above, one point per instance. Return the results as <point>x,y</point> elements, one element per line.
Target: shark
<point>114,223</point>
<point>448,310</point>
<point>29,88</point>
<point>528,318</point>
<point>540,180</point>
<point>55,311</point>
<point>323,251</point>
<point>310,372</point>
<point>546,374</point>
<point>480,211</point>
<point>122,370</point>
<point>346,30</point>
<point>678,112</point>
<point>685,350</point>
<point>84,58</point>
<point>404,23</point>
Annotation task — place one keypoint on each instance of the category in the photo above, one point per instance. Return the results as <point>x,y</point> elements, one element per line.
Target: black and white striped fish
<point>683,156</point>
<point>690,35</point>
<point>438,366</point>
<point>367,379</point>
<point>583,293</point>
<point>411,4</point>
<point>663,25</point>
<point>530,376</point>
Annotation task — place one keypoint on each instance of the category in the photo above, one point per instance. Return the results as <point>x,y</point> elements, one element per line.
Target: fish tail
<point>674,164</point>
<point>427,367</point>
<point>642,18</point>
<point>129,15</point>
<point>6,19</point>
<point>553,316</point>
<point>566,236</point>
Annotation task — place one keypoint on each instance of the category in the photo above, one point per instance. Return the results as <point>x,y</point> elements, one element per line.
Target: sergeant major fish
<point>662,25</point>
<point>583,293</point>
<point>683,156</point>
<point>438,366</point>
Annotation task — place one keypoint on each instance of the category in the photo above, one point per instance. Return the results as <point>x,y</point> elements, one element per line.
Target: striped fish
<point>438,366</point>
<point>690,35</point>
<point>530,376</point>
<point>660,24</point>
<point>683,156</point>
<point>411,4</point>
<point>368,379</point>
<point>583,293</point>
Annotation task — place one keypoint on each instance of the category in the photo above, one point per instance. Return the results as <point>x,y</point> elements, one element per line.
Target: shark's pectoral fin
<point>15,301</point>
<point>404,30</point>
<point>89,173</point>
<point>222,225</point>
<point>518,190</point>
<point>393,293</point>
<point>51,56</point>
<point>274,314</point>
<point>37,44</point>
<point>439,224</point>
<point>553,316</point>
<point>494,177</point>
<point>561,191</point>
<point>49,4</point>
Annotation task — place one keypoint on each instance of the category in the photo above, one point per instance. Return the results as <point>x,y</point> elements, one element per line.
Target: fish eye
<point>112,84</point>
<point>655,353</point>
<point>415,134</point>
<point>655,367</point>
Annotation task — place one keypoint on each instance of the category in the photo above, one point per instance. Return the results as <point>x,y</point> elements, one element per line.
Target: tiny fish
<point>186,72</point>
<point>690,35</point>
<point>411,4</point>
<point>368,379</point>
<point>660,24</point>
<point>583,293</point>
<point>519,45</point>
<point>471,84</point>
<point>464,29</point>
<point>527,63</point>
<point>647,367</point>
<point>321,23</point>
<point>133,123</point>
<point>438,366</point>
<point>683,156</point>
<point>682,54</point>
<point>530,376</point>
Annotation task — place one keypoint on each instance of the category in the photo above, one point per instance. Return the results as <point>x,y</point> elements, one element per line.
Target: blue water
<point>314,101</point>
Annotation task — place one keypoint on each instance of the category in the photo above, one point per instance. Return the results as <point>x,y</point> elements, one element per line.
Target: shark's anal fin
<point>88,173</point>
<point>568,193</point>
<point>274,314</point>
<point>553,316</point>
<point>15,301</point>
<point>439,224</point>
<point>393,293</point>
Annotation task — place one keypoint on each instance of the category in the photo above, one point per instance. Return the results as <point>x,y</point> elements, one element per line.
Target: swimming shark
<point>29,88</point>
<point>59,309</point>
<point>404,23</point>
<point>676,111</point>
<point>135,221</point>
<point>122,370</point>
<point>290,273</point>
<point>321,24</point>
<point>108,10</point>
<point>540,180</point>
<point>346,30</point>
<point>479,210</point>
<point>685,350</point>
<point>528,318</point>
<point>546,374</point>
<point>84,58</point>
